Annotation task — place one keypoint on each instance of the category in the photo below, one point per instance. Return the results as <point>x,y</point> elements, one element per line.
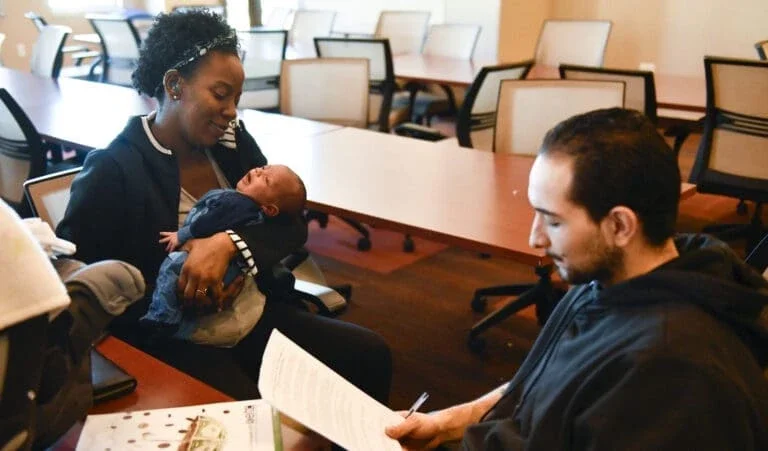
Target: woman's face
<point>209,98</point>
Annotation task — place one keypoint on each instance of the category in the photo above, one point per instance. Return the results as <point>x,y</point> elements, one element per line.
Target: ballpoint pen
<point>421,399</point>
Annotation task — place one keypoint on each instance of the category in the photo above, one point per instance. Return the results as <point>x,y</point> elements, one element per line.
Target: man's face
<point>578,245</point>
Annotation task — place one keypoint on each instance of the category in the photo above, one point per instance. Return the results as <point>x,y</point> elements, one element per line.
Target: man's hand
<point>200,284</point>
<point>418,431</point>
<point>170,239</point>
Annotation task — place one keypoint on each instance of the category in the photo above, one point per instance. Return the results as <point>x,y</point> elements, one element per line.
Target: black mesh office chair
<point>263,52</point>
<point>476,119</point>
<point>120,43</point>
<point>382,88</point>
<point>732,157</point>
<point>21,153</point>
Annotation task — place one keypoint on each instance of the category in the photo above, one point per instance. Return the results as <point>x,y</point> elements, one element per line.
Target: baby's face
<point>267,184</point>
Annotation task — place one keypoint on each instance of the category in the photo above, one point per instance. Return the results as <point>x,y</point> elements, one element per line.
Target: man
<point>660,344</point>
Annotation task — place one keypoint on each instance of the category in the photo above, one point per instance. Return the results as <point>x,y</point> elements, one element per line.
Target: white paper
<point>248,426</point>
<point>303,388</point>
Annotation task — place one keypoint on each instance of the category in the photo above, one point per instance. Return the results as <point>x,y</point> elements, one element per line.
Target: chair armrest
<point>327,300</point>
<point>419,132</point>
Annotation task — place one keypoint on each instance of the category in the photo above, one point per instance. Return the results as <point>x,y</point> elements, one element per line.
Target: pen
<point>417,404</point>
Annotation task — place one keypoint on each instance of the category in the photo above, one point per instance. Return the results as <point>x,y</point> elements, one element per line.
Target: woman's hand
<point>200,283</point>
<point>418,431</point>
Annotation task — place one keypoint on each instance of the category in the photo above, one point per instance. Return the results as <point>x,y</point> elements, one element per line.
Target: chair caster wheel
<point>476,344</point>
<point>408,245</point>
<point>363,244</point>
<point>479,303</point>
<point>741,208</point>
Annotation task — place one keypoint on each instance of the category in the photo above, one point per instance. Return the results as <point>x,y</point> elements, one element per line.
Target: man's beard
<point>602,267</point>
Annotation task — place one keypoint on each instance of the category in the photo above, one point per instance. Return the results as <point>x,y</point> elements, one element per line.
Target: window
<point>87,6</point>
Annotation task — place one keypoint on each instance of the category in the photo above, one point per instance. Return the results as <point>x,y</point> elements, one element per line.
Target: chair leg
<point>543,294</point>
<point>408,245</point>
<point>364,243</point>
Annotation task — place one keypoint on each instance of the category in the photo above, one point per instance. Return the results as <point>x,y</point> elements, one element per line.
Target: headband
<point>198,51</point>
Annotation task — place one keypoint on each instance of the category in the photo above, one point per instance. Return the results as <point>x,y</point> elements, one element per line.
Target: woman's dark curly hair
<point>171,39</point>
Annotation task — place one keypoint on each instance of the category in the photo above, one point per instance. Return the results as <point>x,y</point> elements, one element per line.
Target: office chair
<point>21,153</point>
<point>455,41</point>
<point>762,49</point>
<point>581,42</point>
<point>476,119</point>
<point>46,57</point>
<point>641,96</point>
<point>334,90</point>
<point>382,89</point>
<point>405,30</point>
<point>307,25</point>
<point>731,158</point>
<point>527,110</point>
<point>79,53</point>
<point>120,44</point>
<point>278,18</point>
<point>263,52</point>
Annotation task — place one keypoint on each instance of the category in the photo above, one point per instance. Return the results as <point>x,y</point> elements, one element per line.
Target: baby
<point>263,194</point>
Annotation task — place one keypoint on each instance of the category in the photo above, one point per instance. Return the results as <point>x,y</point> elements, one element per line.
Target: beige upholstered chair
<point>732,157</point>
<point>579,42</point>
<point>331,90</point>
<point>307,25</point>
<point>405,30</point>
<point>263,53</point>
<point>278,18</point>
<point>529,108</point>
<point>46,53</point>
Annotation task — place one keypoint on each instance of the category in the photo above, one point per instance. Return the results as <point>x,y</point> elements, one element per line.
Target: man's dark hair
<point>173,38</point>
<point>620,159</point>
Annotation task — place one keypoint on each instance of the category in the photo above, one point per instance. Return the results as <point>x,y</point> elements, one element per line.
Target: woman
<point>149,177</point>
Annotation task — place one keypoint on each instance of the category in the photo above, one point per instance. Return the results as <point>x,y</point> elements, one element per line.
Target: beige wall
<point>21,33</point>
<point>519,24</point>
<point>673,34</point>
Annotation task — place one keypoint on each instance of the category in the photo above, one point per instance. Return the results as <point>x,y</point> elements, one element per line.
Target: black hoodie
<point>673,359</point>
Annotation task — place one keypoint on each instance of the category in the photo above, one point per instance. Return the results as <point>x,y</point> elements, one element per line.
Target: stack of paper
<point>241,425</point>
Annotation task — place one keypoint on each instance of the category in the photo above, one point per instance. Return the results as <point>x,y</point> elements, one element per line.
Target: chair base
<point>543,294</point>
<point>363,244</point>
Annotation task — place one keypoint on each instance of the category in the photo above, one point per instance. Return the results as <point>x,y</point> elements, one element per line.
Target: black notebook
<point>109,380</point>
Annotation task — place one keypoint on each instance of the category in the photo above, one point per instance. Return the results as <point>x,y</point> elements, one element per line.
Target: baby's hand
<point>171,240</point>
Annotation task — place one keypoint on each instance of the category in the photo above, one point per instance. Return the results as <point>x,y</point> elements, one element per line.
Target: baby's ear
<point>270,210</point>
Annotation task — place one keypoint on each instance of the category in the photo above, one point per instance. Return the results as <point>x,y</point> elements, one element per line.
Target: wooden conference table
<point>162,386</point>
<point>462,197</point>
<point>672,91</point>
